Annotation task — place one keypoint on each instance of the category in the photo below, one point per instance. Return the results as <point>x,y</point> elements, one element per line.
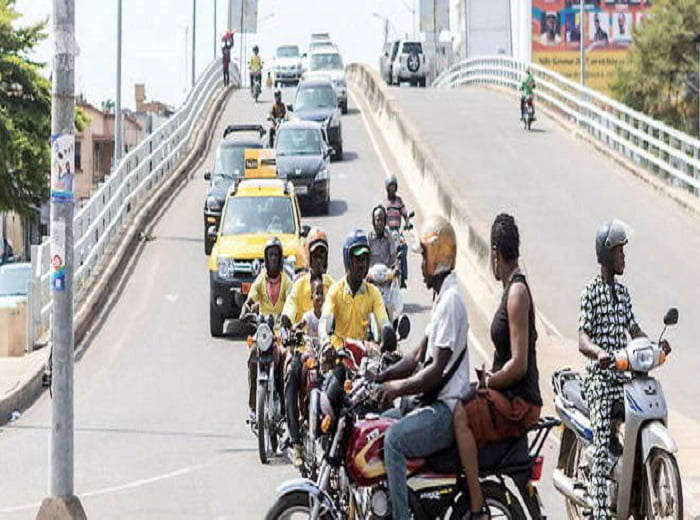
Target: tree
<point>659,76</point>
<point>25,117</point>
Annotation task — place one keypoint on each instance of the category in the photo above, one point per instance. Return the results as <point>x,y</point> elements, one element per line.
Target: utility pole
<point>582,44</point>
<point>215,2</point>
<point>118,132</point>
<point>194,36</point>
<point>242,42</point>
<point>435,41</point>
<point>61,502</point>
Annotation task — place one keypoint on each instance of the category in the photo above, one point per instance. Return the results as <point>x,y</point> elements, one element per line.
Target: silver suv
<point>409,64</point>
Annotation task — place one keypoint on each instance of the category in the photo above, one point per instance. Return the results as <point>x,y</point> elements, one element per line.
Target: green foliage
<point>25,117</point>
<point>660,74</point>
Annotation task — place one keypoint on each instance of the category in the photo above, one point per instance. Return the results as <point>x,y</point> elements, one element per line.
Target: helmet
<point>609,235</point>
<point>317,237</point>
<point>391,179</point>
<point>355,242</point>
<point>278,94</point>
<point>255,49</point>
<point>273,242</point>
<point>437,237</point>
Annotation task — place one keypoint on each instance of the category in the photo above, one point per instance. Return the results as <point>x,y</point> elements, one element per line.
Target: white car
<point>286,64</point>
<point>320,37</point>
<point>408,64</point>
<point>329,62</point>
<point>387,58</point>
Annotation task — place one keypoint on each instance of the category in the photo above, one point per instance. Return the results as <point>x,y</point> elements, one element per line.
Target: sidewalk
<point>20,381</point>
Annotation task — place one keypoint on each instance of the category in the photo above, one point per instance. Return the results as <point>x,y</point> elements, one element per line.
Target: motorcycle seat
<point>572,391</point>
<point>493,458</point>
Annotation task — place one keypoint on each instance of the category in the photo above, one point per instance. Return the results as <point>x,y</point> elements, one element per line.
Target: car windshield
<point>14,279</point>
<point>310,98</point>
<point>326,61</point>
<point>229,162</point>
<point>412,48</point>
<point>258,215</point>
<point>298,141</point>
<point>291,51</point>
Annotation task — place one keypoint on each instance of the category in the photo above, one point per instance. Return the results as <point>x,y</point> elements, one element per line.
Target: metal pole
<point>61,502</point>
<point>194,36</point>
<point>414,19</point>
<point>242,65</point>
<point>582,44</point>
<point>215,1</point>
<point>435,41</point>
<point>118,132</point>
<point>187,54</point>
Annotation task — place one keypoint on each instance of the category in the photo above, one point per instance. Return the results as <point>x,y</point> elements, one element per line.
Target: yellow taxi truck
<point>255,210</point>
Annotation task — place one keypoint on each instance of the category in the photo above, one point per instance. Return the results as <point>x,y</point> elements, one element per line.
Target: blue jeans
<point>404,262</point>
<point>420,433</point>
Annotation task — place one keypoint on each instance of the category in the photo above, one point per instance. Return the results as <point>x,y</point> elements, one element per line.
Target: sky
<point>155,50</point>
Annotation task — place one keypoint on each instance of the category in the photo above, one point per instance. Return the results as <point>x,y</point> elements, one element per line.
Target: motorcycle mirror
<point>304,230</point>
<point>389,341</point>
<point>404,326</point>
<point>412,214</point>
<point>207,176</point>
<point>290,108</point>
<point>211,233</point>
<point>671,317</point>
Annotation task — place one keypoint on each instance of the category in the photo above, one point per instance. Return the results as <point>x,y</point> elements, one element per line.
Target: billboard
<point>243,16</point>
<point>607,33</point>
<point>434,14</point>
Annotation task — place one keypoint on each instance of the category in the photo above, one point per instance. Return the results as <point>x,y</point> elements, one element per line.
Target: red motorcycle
<point>352,479</point>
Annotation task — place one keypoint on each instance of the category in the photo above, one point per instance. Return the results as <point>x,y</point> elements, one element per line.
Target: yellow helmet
<point>438,240</point>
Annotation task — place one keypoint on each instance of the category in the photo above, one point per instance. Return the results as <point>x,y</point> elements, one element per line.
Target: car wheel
<point>216,322</point>
<point>208,246</point>
<point>344,108</point>
<point>339,151</point>
<point>422,82</point>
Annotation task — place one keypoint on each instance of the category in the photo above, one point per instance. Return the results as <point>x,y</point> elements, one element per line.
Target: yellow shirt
<point>352,312</point>
<point>258,293</point>
<point>299,299</point>
<point>256,63</point>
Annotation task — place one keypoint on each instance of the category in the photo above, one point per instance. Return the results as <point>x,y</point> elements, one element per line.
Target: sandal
<point>481,514</point>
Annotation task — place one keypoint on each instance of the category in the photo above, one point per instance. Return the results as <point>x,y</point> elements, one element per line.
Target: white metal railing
<point>670,153</point>
<point>125,191</point>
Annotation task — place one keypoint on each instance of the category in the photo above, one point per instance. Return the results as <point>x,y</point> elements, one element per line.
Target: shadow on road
<point>353,111</point>
<point>349,157</point>
<point>133,431</point>
<point>338,208</point>
<point>179,239</point>
<point>415,308</point>
<point>538,130</point>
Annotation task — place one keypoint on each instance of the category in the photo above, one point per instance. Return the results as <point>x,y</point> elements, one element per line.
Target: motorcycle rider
<point>444,376</point>
<point>277,111</point>
<point>508,400</point>
<point>255,65</point>
<point>381,243</point>
<point>605,319</point>
<point>267,296</point>
<point>527,89</point>
<point>395,211</point>
<point>299,303</point>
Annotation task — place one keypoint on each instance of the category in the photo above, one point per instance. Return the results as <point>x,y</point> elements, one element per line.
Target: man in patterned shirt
<point>605,319</point>
<point>395,211</point>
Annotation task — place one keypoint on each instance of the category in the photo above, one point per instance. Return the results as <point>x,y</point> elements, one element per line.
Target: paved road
<point>560,189</point>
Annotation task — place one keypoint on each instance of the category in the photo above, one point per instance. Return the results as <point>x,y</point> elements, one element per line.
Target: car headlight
<point>213,204</point>
<point>225,268</point>
<point>322,174</point>
<point>263,337</point>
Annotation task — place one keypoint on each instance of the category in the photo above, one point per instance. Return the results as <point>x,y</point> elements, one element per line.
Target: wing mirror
<point>212,233</point>
<point>290,108</point>
<point>207,176</point>
<point>329,152</point>
<point>304,231</point>
<point>412,214</point>
<point>671,317</point>
<point>402,325</point>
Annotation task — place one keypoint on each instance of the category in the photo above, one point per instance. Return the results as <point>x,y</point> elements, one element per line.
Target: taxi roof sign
<point>260,163</point>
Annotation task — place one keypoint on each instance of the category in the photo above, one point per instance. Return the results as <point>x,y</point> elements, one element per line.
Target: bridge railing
<point>653,145</point>
<point>128,187</point>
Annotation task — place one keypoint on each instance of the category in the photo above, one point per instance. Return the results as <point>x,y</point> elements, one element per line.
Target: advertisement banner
<point>434,14</point>
<point>62,167</point>
<point>607,29</point>
<point>243,16</point>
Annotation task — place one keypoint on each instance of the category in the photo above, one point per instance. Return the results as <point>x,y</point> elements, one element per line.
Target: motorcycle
<point>352,479</point>
<point>528,115</point>
<point>384,278</point>
<point>401,240</point>
<point>268,424</point>
<point>256,86</point>
<point>275,123</point>
<point>644,480</point>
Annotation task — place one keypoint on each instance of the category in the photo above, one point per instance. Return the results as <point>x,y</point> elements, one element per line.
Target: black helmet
<point>255,49</point>
<point>609,236</point>
<point>273,242</point>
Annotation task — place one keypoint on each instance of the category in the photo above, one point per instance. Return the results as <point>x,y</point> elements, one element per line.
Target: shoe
<point>298,456</point>
<point>403,284</point>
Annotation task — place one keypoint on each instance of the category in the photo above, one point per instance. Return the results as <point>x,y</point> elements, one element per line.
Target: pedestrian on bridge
<point>226,63</point>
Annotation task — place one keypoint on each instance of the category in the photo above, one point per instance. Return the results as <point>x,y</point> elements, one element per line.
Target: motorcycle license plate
<point>245,287</point>
<point>301,190</point>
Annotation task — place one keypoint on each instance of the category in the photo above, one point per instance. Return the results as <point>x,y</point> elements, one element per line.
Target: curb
<point>101,294</point>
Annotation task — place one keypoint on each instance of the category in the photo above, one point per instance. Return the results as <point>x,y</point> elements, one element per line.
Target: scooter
<point>256,87</point>
<point>644,480</point>
<point>528,115</point>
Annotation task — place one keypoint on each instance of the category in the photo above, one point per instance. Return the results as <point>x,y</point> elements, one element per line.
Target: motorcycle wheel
<point>263,425</point>
<point>293,505</point>
<point>663,480</point>
<point>573,458</point>
<point>272,417</point>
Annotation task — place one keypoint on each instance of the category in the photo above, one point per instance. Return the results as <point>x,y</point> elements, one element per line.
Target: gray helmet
<point>609,235</point>
<point>273,242</point>
<point>391,179</point>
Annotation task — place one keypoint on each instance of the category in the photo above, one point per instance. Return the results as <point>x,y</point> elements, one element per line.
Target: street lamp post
<point>582,44</point>
<point>215,2</point>
<point>194,37</point>
<point>118,132</point>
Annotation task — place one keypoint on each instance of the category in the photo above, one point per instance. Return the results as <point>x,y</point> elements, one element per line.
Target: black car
<point>316,101</point>
<point>303,157</point>
<point>228,165</point>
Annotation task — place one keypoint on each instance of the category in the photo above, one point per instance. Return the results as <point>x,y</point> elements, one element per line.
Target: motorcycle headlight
<point>643,359</point>
<point>213,204</point>
<point>225,268</point>
<point>263,337</point>
<point>322,174</point>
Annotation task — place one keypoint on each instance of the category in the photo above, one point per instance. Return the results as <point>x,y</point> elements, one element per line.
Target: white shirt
<point>448,328</point>
<point>311,324</point>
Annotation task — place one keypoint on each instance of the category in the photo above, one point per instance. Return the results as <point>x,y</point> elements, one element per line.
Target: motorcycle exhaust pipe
<point>567,487</point>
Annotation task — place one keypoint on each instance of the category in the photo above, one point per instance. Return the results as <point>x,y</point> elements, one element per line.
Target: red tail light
<point>536,470</point>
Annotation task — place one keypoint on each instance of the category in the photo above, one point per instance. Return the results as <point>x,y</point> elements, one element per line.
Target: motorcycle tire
<point>572,458</point>
<point>272,423</point>
<point>672,505</point>
<point>501,503</point>
<point>263,425</point>
<point>290,504</point>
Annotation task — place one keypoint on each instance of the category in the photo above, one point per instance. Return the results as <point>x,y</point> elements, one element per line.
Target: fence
<point>669,153</point>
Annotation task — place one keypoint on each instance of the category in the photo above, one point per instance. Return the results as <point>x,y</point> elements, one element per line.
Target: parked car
<point>387,58</point>
<point>408,64</point>
<point>229,164</point>
<point>316,101</point>
<point>286,64</point>
<point>320,37</point>
<point>14,283</point>
<point>303,157</point>
<point>330,62</point>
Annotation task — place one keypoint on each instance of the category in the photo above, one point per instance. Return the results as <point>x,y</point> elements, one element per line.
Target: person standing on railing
<point>527,89</point>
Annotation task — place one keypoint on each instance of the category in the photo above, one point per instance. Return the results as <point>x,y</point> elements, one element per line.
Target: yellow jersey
<point>258,293</point>
<point>255,64</point>
<point>299,299</point>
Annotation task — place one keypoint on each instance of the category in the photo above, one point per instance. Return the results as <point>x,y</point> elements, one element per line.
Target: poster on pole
<point>243,16</point>
<point>58,256</point>
<point>607,33</point>
<point>434,16</point>
<point>62,168</point>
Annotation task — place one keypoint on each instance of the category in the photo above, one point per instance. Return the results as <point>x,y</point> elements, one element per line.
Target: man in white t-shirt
<point>443,379</point>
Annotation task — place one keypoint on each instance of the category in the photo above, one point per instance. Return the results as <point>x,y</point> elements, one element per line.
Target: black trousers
<point>292,386</point>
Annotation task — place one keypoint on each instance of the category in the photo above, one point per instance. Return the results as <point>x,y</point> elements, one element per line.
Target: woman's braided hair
<point>505,237</point>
